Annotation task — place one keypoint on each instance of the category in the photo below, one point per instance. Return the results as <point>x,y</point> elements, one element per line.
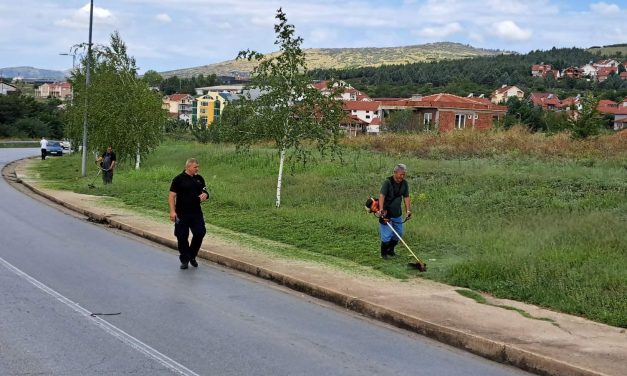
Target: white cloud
<point>441,31</point>
<point>508,30</point>
<point>321,36</point>
<point>80,18</point>
<point>163,17</point>
<point>604,8</point>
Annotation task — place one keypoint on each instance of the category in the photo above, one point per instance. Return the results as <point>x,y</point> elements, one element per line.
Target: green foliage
<point>175,84</point>
<point>122,110</point>
<point>478,75</point>
<point>22,116</point>
<point>152,78</point>
<point>589,122</point>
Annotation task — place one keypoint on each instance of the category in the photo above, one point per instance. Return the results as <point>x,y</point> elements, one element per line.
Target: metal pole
<point>87,81</point>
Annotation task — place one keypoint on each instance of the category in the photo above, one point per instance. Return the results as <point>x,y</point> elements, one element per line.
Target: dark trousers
<point>107,176</point>
<point>183,225</point>
<point>43,154</point>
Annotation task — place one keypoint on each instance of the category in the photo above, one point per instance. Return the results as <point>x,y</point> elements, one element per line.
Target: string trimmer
<point>372,206</point>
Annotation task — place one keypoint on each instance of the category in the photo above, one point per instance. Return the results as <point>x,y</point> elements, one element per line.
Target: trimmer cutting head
<point>419,265</point>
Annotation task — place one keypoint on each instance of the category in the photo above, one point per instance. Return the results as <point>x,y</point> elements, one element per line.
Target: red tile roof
<point>321,85</point>
<point>177,96</point>
<point>544,99</point>
<point>442,101</point>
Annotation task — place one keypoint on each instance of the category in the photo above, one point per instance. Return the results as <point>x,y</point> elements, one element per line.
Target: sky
<point>171,34</point>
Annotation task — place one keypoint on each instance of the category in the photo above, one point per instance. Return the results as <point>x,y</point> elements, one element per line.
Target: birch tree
<point>289,110</point>
<point>123,111</point>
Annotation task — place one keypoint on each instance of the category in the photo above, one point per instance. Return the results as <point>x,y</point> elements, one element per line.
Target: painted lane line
<point>104,325</point>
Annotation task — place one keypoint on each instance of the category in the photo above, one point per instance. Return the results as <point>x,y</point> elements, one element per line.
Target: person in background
<point>107,163</point>
<point>393,191</point>
<point>187,192</point>
<point>44,147</point>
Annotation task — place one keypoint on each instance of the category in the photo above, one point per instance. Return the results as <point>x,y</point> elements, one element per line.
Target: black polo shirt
<point>394,193</point>
<point>187,189</point>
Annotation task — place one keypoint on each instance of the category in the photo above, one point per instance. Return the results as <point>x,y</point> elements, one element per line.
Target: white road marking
<point>107,327</point>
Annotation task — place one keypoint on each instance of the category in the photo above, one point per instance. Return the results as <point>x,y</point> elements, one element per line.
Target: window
<point>427,118</point>
<point>460,121</point>
<point>204,103</point>
<point>367,116</point>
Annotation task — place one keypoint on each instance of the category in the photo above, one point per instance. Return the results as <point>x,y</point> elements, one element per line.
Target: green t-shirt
<point>394,193</point>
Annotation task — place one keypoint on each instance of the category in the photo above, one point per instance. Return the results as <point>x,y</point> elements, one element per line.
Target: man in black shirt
<point>107,164</point>
<point>394,190</point>
<point>187,191</point>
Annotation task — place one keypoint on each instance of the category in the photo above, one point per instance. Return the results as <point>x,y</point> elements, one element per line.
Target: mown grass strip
<point>543,231</point>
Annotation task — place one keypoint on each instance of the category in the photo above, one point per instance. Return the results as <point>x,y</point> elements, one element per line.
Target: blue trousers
<point>386,232</point>
<point>182,226</point>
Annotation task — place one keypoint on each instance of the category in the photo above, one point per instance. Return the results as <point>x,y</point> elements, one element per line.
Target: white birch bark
<point>280,178</point>
<point>137,158</point>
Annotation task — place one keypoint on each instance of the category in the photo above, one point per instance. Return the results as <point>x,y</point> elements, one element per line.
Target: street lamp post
<point>73,68</point>
<point>73,59</point>
<point>87,82</point>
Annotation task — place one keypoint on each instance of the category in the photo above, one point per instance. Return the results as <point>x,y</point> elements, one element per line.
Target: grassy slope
<point>545,232</point>
<point>341,58</point>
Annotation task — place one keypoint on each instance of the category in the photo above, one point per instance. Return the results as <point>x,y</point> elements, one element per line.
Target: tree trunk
<point>280,179</point>
<point>137,158</point>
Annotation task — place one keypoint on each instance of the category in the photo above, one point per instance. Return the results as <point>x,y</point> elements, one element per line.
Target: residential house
<point>589,70</point>
<point>547,101</point>
<point>60,90</point>
<point>365,112</point>
<point>573,72</point>
<point>505,92</point>
<point>207,108</point>
<point>623,75</point>
<point>571,104</point>
<point>608,63</point>
<point>347,92</point>
<point>544,70</point>
<point>604,72</point>
<point>619,110</point>
<point>446,112</point>
<point>6,89</point>
<point>179,106</point>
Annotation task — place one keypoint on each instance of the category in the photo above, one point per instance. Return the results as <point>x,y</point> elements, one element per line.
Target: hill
<point>32,73</point>
<point>613,50</point>
<point>345,58</point>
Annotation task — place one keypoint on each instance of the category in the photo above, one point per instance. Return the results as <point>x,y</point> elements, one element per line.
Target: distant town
<point>365,115</point>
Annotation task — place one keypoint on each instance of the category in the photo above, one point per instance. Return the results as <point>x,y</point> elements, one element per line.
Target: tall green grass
<point>545,231</point>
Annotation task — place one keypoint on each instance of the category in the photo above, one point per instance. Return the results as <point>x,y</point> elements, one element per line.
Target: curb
<point>484,347</point>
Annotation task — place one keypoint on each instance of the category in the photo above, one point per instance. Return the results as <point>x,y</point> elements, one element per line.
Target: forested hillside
<point>479,75</point>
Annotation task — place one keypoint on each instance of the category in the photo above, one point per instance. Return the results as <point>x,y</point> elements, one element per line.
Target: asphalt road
<point>56,270</point>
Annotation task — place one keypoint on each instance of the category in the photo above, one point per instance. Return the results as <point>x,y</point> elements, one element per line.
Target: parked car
<point>65,145</point>
<point>54,148</point>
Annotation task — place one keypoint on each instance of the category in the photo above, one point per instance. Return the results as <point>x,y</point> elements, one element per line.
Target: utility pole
<point>87,81</point>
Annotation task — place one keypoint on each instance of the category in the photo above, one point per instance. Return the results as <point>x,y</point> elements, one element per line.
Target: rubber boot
<point>393,244</point>
<point>385,246</point>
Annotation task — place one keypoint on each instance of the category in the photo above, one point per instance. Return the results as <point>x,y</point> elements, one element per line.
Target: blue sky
<point>170,34</point>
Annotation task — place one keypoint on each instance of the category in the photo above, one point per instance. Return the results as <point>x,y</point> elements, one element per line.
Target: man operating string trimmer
<point>388,209</point>
<point>394,190</point>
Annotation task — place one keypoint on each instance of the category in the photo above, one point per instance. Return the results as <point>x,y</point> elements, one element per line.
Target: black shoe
<point>391,246</point>
<point>194,263</point>
<point>384,250</point>
<point>184,266</point>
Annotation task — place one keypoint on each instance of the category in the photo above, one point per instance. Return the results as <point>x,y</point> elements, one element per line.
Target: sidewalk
<point>570,346</point>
